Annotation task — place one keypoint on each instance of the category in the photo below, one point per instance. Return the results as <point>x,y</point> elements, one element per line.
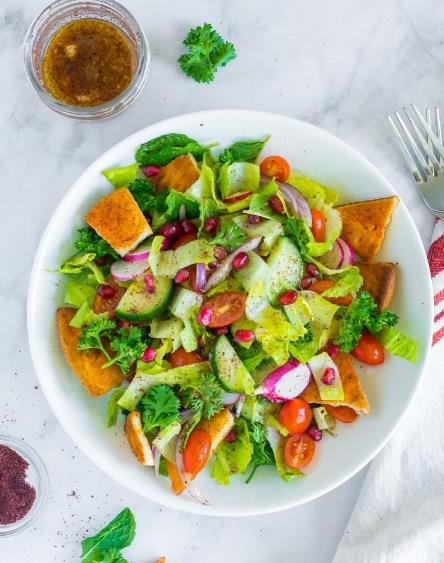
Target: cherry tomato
<point>318,222</point>
<point>182,358</point>
<point>319,286</point>
<point>197,451</point>
<point>276,167</point>
<point>226,308</point>
<point>369,350</point>
<point>344,414</point>
<point>184,239</point>
<point>299,450</point>
<point>295,415</point>
<point>102,305</point>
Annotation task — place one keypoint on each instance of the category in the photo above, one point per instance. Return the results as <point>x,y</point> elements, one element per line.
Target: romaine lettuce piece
<point>232,458</point>
<point>400,345</point>
<point>257,301</point>
<point>275,333</point>
<point>238,177</point>
<point>349,281</point>
<point>79,292</point>
<point>312,189</point>
<point>299,314</point>
<point>168,328</point>
<point>333,228</point>
<point>168,262</point>
<point>165,441</point>
<point>318,364</point>
<point>123,175</point>
<point>277,445</point>
<point>256,269</point>
<point>81,264</point>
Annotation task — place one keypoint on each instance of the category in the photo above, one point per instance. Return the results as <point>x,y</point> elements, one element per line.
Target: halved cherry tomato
<point>344,414</point>
<point>183,358</point>
<point>102,305</point>
<point>299,450</point>
<point>226,308</point>
<point>319,286</point>
<point>197,451</point>
<point>369,350</point>
<point>184,239</point>
<point>318,223</point>
<point>295,415</point>
<point>276,167</point>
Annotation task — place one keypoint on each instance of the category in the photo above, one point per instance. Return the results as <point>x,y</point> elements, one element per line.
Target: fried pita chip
<point>364,224</point>
<point>137,439</point>
<point>379,280</point>
<point>179,174</point>
<point>354,395</point>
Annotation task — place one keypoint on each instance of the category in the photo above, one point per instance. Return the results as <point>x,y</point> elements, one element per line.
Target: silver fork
<point>424,156</point>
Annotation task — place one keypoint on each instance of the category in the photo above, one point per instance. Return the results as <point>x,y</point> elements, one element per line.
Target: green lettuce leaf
<point>275,333</point>
<point>173,203</point>
<point>277,445</point>
<point>312,189</point>
<point>81,264</point>
<point>239,177</point>
<point>112,407</point>
<point>120,176</point>
<point>333,228</point>
<point>349,281</point>
<point>169,262</point>
<point>232,458</point>
<point>400,344</point>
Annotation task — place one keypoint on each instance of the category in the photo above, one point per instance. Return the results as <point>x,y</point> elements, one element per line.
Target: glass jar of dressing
<point>87,59</point>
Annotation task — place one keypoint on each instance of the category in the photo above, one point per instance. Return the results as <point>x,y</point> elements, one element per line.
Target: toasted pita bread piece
<point>179,174</point>
<point>218,426</point>
<point>118,219</point>
<point>364,224</point>
<point>86,365</point>
<point>354,394</point>
<point>379,280</point>
<point>137,439</point>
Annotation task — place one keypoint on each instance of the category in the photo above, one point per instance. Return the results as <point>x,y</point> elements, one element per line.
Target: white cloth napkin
<point>399,516</point>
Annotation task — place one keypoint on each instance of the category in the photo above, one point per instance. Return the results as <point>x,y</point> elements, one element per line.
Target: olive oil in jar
<point>88,62</point>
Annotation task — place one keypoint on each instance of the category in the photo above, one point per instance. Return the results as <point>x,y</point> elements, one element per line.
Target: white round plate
<point>390,387</point>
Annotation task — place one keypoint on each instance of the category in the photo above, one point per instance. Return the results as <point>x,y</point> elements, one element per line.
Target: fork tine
<point>424,143</point>
<point>429,140</point>
<point>436,142</point>
<point>406,153</point>
<point>425,169</point>
<point>439,132</point>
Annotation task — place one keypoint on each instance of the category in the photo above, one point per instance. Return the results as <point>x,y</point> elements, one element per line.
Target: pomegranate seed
<point>106,291</point>
<point>315,433</point>
<point>123,324</point>
<point>288,297</point>
<point>219,252</point>
<point>253,219</point>
<point>306,282</point>
<point>150,171</point>
<point>166,243</point>
<point>149,282</point>
<point>231,436</point>
<point>276,204</point>
<point>101,260</point>
<point>188,226</point>
<point>182,275</point>
<point>204,316</point>
<point>221,330</point>
<point>243,335</point>
<point>211,225</point>
<point>213,266</point>
<point>329,376</point>
<point>240,260</point>
<point>171,230</point>
<point>149,354</point>
<point>312,270</point>
<point>332,349</point>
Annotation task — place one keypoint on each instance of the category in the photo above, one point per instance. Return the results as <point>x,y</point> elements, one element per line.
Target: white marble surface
<point>341,65</point>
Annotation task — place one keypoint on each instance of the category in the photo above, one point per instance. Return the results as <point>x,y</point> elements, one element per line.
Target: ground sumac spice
<point>16,495</point>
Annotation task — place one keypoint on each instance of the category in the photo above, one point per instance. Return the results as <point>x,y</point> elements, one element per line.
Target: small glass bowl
<point>62,12</point>
<point>37,476</point>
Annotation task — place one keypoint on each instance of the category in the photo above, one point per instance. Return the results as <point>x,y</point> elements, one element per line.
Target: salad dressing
<point>88,62</point>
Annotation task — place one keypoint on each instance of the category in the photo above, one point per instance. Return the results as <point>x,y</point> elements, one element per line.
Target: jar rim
<point>41,484</point>
<point>107,109</point>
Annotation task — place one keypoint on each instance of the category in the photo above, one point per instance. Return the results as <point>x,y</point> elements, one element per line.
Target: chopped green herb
<point>159,407</point>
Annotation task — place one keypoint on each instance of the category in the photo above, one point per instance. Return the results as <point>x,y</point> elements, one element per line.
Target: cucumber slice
<point>286,268</point>
<point>137,304</point>
<point>231,372</point>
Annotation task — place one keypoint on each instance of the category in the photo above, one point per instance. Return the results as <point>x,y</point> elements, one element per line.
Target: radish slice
<point>226,265</point>
<point>333,258</point>
<point>125,271</point>
<point>184,476</point>
<point>285,382</point>
<point>230,398</point>
<point>201,277</point>
<point>140,253</point>
<point>348,253</point>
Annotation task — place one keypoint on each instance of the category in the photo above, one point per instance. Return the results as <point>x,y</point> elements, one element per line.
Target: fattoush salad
<point>222,300</point>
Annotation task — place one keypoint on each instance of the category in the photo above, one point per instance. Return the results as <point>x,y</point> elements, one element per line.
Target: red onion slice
<point>201,277</point>
<point>238,406</point>
<point>230,398</point>
<point>156,456</point>
<point>348,253</point>
<point>334,258</point>
<point>226,265</point>
<point>184,476</point>
<point>294,198</point>
<point>125,271</point>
